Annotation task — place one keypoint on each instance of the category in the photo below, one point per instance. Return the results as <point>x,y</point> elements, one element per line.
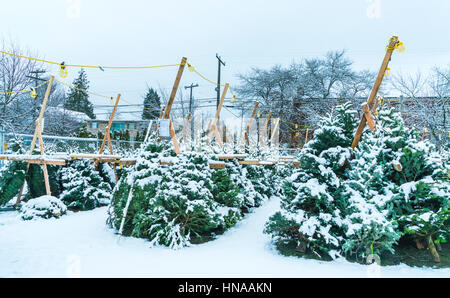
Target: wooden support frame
<point>213,130</point>
<point>247,130</point>
<point>36,131</point>
<point>387,58</point>
<point>168,108</point>
<point>175,88</point>
<point>173,136</point>
<point>107,136</point>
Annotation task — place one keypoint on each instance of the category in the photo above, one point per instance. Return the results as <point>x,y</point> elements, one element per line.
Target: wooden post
<point>264,132</point>
<point>107,137</point>
<point>173,136</point>
<point>160,116</point>
<point>216,118</point>
<point>37,129</point>
<point>247,130</point>
<point>107,129</point>
<point>44,166</point>
<point>170,103</point>
<point>175,88</point>
<point>362,124</point>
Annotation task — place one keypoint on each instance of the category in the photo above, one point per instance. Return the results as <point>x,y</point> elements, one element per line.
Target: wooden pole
<point>173,136</point>
<point>160,116</point>
<point>219,108</point>
<point>44,166</point>
<point>107,129</point>
<point>175,88</point>
<point>38,128</point>
<point>362,124</point>
<point>247,130</point>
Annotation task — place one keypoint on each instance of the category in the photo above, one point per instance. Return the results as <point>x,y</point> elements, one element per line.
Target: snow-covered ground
<point>80,245</point>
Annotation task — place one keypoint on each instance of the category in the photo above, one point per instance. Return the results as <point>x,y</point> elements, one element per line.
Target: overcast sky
<point>246,33</point>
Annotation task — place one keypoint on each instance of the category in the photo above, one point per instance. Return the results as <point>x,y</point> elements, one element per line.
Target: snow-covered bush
<point>323,209</point>
<point>83,187</point>
<point>406,178</point>
<point>42,207</point>
<point>181,203</point>
<point>12,175</point>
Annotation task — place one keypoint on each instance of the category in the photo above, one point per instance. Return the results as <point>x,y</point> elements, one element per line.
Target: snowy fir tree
<point>83,187</point>
<point>78,100</point>
<point>152,105</point>
<point>181,203</point>
<point>13,174</point>
<point>406,178</point>
<point>320,212</point>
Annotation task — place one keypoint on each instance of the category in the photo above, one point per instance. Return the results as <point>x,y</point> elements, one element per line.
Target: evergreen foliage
<point>78,100</point>
<point>152,105</point>
<point>83,187</point>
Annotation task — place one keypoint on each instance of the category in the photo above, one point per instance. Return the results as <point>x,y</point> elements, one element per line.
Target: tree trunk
<point>433,250</point>
<point>419,244</point>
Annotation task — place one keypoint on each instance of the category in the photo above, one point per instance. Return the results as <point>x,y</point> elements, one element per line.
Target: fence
<point>68,144</point>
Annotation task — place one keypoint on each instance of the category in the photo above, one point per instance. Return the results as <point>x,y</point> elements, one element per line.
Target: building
<point>121,122</point>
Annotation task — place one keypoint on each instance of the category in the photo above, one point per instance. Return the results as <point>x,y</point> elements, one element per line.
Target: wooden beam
<point>108,128</point>
<point>368,116</point>
<point>175,88</point>
<point>35,136</point>
<point>387,58</point>
<point>44,166</point>
<point>173,136</point>
<point>218,165</point>
<point>160,116</point>
<point>219,108</point>
<point>247,130</point>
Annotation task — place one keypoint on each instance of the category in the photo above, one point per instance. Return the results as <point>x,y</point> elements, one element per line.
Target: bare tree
<point>14,72</point>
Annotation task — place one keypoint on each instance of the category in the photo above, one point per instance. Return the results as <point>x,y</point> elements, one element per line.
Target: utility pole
<point>191,106</point>
<point>220,62</point>
<point>36,80</point>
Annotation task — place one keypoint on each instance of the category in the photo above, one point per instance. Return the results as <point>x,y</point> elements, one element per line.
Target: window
<point>117,127</point>
<point>131,126</point>
<point>94,125</point>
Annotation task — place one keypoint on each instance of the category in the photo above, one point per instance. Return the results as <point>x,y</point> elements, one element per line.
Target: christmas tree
<point>77,99</point>
<point>405,177</point>
<point>152,105</point>
<point>83,187</point>
<point>321,211</point>
<point>12,175</point>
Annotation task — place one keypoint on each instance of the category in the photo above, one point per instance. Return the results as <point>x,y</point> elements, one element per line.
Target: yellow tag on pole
<point>33,93</point>
<point>63,70</point>
<point>387,72</point>
<point>233,98</point>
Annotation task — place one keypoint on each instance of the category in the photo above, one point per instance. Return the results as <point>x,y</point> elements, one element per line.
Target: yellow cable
<point>89,66</point>
<point>25,90</point>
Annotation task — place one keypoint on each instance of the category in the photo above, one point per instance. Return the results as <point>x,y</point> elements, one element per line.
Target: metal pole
<point>220,62</point>
<point>191,106</point>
